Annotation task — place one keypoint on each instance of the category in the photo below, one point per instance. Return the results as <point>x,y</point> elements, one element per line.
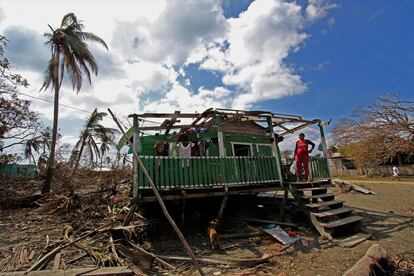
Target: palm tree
<point>91,136</point>
<point>70,53</point>
<point>31,146</point>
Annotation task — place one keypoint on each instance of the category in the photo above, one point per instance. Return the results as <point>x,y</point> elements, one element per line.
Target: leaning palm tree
<point>70,54</point>
<point>94,138</point>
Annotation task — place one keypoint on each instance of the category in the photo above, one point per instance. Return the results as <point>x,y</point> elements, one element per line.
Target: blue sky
<point>368,51</point>
<point>315,58</point>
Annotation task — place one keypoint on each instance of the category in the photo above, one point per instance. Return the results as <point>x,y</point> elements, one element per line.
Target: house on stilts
<point>224,152</point>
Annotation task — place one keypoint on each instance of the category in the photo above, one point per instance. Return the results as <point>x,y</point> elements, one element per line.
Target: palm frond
<point>49,74</point>
<point>92,37</point>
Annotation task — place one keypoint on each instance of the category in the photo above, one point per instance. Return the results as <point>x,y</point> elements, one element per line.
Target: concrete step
<point>325,203</point>
<point>317,196</point>
<point>320,188</point>
<point>341,222</point>
<point>333,212</point>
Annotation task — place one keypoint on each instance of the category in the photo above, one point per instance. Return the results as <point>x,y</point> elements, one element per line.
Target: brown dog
<point>212,234</point>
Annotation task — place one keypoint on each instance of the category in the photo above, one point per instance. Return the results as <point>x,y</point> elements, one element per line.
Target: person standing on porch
<point>302,156</point>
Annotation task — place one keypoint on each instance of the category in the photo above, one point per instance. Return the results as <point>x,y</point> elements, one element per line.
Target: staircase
<point>329,216</point>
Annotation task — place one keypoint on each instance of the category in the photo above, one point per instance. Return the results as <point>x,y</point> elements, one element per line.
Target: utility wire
<point>49,101</point>
<point>68,106</point>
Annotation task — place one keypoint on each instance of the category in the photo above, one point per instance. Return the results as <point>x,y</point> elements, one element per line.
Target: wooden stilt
<point>282,208</point>
<point>183,208</point>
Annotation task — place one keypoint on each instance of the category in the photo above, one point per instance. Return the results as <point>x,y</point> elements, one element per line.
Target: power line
<point>65,105</point>
<point>46,100</point>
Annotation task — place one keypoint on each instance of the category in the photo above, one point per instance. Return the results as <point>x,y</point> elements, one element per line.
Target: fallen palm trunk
<point>374,262</point>
<point>222,260</point>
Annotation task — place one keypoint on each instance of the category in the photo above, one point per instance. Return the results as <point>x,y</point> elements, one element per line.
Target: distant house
<point>18,170</point>
<point>340,164</point>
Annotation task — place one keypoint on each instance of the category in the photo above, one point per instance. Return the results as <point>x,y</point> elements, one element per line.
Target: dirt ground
<point>389,215</point>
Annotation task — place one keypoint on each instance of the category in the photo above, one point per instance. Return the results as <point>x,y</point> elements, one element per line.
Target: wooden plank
<point>333,212</point>
<point>267,221</point>
<point>176,172</point>
<point>325,203</point>
<point>166,115</point>
<point>362,190</point>
<point>316,196</point>
<point>341,222</point>
<point>90,271</point>
<point>157,173</point>
<point>162,172</point>
<point>181,171</point>
<point>320,188</point>
<point>353,240</point>
<point>315,182</point>
<point>211,194</point>
<point>56,262</point>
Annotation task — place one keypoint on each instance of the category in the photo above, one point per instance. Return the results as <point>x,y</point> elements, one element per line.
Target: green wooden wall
<point>261,146</point>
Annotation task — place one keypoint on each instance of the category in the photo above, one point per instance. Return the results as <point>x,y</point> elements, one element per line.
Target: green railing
<point>177,172</point>
<point>319,168</point>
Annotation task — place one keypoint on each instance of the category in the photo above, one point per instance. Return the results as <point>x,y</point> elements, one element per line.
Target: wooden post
<point>135,137</point>
<point>161,202</point>
<point>275,149</point>
<point>223,205</point>
<point>222,149</point>
<point>284,202</point>
<point>325,150</point>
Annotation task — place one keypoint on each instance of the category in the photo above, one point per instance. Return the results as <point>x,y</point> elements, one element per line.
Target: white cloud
<point>152,42</point>
<point>259,40</point>
<point>317,9</point>
<point>171,38</point>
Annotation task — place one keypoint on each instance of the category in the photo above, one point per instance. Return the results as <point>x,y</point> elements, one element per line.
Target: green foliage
<point>19,125</point>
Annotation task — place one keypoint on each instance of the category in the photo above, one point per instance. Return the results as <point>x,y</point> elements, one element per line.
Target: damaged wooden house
<point>224,152</point>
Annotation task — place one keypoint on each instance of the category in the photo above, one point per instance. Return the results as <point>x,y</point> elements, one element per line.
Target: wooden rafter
<point>199,119</point>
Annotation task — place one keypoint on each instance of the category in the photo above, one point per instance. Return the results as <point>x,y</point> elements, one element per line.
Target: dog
<point>212,234</point>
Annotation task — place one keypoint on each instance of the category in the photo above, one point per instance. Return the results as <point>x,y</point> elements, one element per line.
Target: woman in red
<point>302,156</point>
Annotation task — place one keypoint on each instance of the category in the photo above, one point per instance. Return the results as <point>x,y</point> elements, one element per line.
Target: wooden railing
<point>197,172</point>
<point>319,168</point>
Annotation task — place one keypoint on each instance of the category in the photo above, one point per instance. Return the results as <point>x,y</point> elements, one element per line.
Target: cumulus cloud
<point>251,58</point>
<point>110,65</point>
<point>177,31</point>
<point>26,48</point>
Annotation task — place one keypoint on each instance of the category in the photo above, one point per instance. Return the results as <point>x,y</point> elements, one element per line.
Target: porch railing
<point>319,168</point>
<point>197,172</point>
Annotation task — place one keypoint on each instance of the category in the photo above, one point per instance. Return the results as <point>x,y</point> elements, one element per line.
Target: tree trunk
<point>75,168</point>
<point>51,161</point>
<point>33,159</point>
